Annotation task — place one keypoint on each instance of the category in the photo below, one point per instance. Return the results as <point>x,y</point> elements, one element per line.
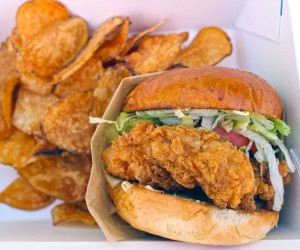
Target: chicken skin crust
<point>173,157</point>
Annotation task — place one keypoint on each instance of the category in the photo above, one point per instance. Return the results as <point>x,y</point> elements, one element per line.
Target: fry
<point>209,47</point>
<point>20,194</point>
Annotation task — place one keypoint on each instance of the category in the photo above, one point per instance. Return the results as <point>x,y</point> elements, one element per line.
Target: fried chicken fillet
<point>179,157</point>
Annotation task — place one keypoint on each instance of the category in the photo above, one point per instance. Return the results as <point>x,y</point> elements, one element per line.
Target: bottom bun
<point>188,220</point>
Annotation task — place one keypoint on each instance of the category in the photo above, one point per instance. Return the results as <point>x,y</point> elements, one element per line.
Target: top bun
<point>206,88</point>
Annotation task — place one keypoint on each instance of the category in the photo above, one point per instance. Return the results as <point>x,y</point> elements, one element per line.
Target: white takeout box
<point>263,34</point>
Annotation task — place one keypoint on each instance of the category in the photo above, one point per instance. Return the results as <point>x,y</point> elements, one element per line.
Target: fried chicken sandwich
<point>201,155</point>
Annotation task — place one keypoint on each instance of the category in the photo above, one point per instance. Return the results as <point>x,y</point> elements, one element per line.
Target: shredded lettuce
<point>207,122</point>
<point>264,131</point>
<point>227,125</point>
<point>275,177</point>
<point>282,127</point>
<point>263,120</point>
<point>286,154</point>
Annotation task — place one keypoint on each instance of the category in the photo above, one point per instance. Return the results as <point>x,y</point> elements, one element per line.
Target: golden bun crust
<point>206,88</point>
<point>186,220</point>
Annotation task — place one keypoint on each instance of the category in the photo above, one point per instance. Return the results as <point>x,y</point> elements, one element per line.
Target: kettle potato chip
<point>209,47</point>
<point>34,16</point>
<point>132,41</point>
<point>98,38</point>
<point>82,80</point>
<point>155,53</point>
<point>71,213</point>
<point>111,49</point>
<point>20,194</point>
<point>64,177</point>
<point>107,86</point>
<point>29,109</point>
<point>44,147</point>
<point>67,125</point>
<point>51,50</point>
<point>18,149</point>
<point>8,82</point>
<point>14,41</point>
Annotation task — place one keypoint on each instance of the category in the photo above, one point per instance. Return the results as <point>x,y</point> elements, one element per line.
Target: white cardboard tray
<point>264,34</point>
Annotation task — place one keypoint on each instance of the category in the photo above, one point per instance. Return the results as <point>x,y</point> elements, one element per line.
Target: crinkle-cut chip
<point>44,147</point>
<point>67,125</point>
<point>21,195</point>
<point>107,86</point>
<point>155,53</point>
<point>34,16</point>
<point>49,51</point>
<point>8,82</point>
<point>209,47</point>
<point>82,80</point>
<point>64,177</point>
<point>98,38</point>
<point>29,109</point>
<point>133,41</point>
<point>71,213</point>
<point>111,49</point>
<point>18,149</point>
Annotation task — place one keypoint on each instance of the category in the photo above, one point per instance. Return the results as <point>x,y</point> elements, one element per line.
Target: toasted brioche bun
<point>206,88</point>
<point>186,220</point>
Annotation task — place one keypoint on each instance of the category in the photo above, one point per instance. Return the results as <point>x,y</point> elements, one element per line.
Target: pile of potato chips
<point>54,74</point>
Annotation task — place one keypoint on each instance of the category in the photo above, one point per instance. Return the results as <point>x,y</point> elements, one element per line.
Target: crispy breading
<point>191,157</point>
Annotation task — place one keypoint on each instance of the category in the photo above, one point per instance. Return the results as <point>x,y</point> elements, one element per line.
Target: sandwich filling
<point>229,139</point>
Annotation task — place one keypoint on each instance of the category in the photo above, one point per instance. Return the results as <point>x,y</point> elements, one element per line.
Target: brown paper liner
<point>97,198</point>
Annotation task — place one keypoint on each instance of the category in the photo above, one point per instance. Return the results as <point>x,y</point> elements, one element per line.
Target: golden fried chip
<point>111,49</point>
<point>209,47</point>
<point>82,205</point>
<point>49,51</point>
<point>67,125</point>
<point>71,213</point>
<point>82,80</point>
<point>8,82</point>
<point>63,177</point>
<point>29,109</point>
<point>44,147</point>
<point>155,53</point>
<point>107,86</point>
<point>14,41</point>
<point>34,16</point>
<point>98,38</point>
<point>18,149</point>
<point>133,41</point>
<point>20,194</point>
<point>36,84</point>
